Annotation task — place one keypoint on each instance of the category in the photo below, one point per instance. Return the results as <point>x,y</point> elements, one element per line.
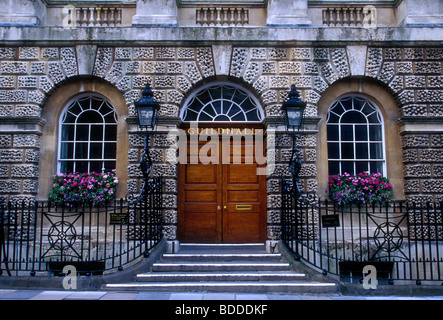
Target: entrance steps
<point>224,268</point>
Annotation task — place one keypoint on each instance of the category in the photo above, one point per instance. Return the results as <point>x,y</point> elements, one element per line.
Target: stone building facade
<point>390,53</point>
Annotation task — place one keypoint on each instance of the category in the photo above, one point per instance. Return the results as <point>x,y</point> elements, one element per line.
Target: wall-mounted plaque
<point>118,219</point>
<point>330,221</point>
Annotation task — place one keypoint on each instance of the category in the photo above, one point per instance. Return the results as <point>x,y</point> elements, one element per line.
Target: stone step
<point>222,248</point>
<point>224,268</point>
<point>222,257</point>
<point>219,266</point>
<point>219,276</point>
<point>225,286</point>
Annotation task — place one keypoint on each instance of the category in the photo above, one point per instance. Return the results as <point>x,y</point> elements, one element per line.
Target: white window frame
<point>81,98</point>
<point>340,140</point>
<point>201,90</point>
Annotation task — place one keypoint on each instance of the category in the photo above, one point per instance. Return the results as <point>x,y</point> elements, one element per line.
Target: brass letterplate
<point>243,207</point>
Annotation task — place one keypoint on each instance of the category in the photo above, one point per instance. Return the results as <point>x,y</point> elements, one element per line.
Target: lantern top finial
<point>294,99</point>
<point>147,98</point>
<point>294,93</point>
<point>147,92</point>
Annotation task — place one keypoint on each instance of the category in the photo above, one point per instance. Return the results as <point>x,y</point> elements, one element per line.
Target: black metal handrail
<point>39,237</point>
<point>402,240</point>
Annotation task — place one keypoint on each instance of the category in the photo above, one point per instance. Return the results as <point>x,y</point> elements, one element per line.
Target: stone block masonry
<point>30,74</point>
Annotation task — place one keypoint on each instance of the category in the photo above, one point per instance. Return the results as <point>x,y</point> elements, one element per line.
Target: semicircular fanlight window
<point>222,103</point>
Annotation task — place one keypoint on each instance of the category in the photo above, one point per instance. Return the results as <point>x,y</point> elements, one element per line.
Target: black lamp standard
<point>147,110</point>
<point>148,206</point>
<point>293,110</point>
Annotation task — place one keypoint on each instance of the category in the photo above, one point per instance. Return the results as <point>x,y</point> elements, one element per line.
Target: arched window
<point>222,103</point>
<point>355,137</point>
<point>88,136</point>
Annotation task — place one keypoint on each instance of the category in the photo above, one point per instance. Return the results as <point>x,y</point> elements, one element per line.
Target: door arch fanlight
<point>222,102</point>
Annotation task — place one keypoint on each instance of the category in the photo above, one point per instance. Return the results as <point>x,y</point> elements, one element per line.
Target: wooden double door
<point>225,201</point>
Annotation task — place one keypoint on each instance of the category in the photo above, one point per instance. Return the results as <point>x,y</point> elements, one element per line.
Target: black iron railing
<point>402,240</point>
<point>38,237</point>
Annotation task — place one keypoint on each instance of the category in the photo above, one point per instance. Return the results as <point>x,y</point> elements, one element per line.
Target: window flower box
<point>363,188</point>
<point>79,189</point>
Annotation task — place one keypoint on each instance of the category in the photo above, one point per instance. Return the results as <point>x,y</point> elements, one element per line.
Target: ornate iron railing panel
<point>402,240</point>
<point>40,238</point>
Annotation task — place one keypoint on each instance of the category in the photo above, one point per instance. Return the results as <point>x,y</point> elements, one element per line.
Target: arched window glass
<point>88,136</point>
<point>222,103</point>
<point>355,137</point>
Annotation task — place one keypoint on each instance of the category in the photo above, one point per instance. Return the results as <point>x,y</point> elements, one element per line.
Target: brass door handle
<point>218,208</point>
<point>225,207</point>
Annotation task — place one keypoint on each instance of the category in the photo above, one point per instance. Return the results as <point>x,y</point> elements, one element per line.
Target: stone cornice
<point>296,36</point>
<point>22,125</point>
<point>419,125</point>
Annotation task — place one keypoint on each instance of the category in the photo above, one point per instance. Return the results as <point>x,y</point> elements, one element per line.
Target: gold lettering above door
<point>228,131</point>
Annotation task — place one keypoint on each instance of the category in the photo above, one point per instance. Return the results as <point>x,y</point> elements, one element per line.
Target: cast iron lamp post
<point>149,202</point>
<point>293,110</point>
<point>147,110</point>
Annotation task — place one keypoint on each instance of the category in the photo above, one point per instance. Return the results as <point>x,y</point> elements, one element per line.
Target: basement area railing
<point>40,238</point>
<point>403,241</point>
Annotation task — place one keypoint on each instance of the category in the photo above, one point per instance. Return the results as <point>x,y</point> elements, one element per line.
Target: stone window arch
<point>222,102</point>
<point>53,115</point>
<point>389,113</point>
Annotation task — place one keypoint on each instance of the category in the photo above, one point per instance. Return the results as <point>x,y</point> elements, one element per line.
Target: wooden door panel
<point>205,207</point>
<point>241,174</point>
<point>243,195</point>
<point>213,198</point>
<point>243,217</point>
<point>200,220</point>
<point>200,195</point>
<point>198,174</point>
<point>200,227</point>
<point>243,227</point>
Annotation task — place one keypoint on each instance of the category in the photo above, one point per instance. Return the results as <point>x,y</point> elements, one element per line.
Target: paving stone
<point>85,295</point>
<point>186,296</point>
<point>52,295</point>
<point>153,296</point>
<point>5,292</point>
<point>252,297</point>
<point>432,298</point>
<point>378,298</point>
<point>21,295</point>
<point>344,298</point>
<point>219,296</point>
<point>320,297</point>
<point>119,296</point>
<point>283,297</point>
